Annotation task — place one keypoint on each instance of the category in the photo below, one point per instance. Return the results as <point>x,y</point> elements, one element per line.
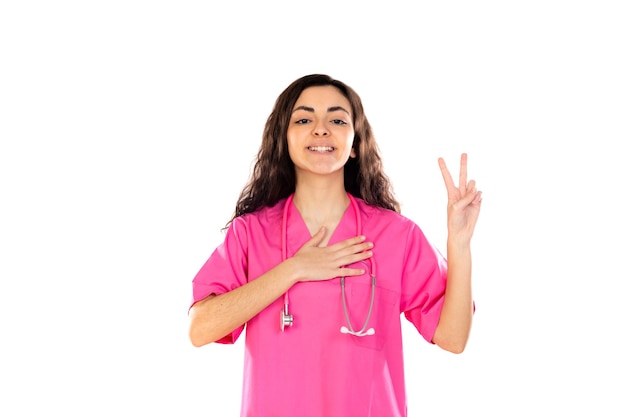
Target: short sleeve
<point>225,270</point>
<point>423,283</point>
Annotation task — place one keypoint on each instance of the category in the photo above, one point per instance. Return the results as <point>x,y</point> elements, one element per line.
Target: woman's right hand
<point>318,263</point>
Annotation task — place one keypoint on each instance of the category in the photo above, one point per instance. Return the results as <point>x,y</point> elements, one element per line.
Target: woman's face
<point>320,132</point>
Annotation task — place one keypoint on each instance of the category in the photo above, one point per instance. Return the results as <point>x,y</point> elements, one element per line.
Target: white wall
<point>128,129</point>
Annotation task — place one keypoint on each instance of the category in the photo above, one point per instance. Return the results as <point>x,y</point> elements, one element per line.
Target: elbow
<point>200,326</point>
<point>454,342</point>
<point>197,341</point>
<point>456,347</point>
<point>198,344</point>
<point>200,336</point>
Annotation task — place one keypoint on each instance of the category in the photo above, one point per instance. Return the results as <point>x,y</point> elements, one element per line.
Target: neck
<point>321,205</point>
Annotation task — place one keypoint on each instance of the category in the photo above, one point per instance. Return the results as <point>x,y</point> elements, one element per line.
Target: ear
<point>352,153</point>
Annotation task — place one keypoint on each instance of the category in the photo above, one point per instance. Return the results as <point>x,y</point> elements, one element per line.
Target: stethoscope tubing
<point>287,318</point>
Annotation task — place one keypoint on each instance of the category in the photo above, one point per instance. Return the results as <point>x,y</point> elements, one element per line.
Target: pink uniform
<point>312,369</point>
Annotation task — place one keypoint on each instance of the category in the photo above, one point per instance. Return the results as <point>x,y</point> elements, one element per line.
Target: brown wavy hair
<point>273,176</point>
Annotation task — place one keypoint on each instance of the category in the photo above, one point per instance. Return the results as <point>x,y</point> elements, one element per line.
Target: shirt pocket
<point>357,304</point>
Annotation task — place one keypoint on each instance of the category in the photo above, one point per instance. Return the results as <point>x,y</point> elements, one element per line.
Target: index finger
<point>447,178</point>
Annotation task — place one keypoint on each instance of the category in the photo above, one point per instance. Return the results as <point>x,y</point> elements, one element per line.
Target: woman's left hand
<point>463,202</point>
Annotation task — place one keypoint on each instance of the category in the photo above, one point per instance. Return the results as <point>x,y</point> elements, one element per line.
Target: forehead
<point>323,97</point>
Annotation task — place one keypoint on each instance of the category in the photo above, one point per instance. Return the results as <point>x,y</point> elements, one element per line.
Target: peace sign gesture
<point>463,202</point>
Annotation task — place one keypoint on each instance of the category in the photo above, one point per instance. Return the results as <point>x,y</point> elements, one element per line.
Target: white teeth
<point>321,148</point>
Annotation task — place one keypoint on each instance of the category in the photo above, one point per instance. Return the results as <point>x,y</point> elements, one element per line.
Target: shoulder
<point>379,214</point>
<point>390,224</point>
<point>257,226</point>
<point>403,235</point>
<point>263,217</point>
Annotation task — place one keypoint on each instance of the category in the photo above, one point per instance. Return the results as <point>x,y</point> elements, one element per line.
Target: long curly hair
<point>273,176</point>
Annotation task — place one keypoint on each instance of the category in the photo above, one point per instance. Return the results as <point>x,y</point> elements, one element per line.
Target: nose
<point>320,129</point>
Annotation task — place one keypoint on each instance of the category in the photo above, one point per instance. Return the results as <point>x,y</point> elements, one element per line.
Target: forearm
<point>216,316</point>
<point>455,322</point>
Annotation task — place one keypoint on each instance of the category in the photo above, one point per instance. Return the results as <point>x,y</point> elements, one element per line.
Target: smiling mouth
<point>321,148</point>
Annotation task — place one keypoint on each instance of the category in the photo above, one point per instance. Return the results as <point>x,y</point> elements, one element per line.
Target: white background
<point>129,127</point>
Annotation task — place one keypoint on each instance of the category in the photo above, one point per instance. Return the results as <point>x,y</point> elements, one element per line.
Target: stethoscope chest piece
<point>286,319</point>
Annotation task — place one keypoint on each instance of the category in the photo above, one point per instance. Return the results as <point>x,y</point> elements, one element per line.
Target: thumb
<point>317,238</point>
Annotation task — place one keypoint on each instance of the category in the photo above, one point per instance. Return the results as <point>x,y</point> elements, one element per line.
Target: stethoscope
<point>286,319</point>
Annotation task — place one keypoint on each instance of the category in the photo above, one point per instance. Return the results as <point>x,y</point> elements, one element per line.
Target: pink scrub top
<point>312,369</point>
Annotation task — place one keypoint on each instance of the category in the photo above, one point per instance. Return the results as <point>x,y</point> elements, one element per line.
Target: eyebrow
<point>329,110</point>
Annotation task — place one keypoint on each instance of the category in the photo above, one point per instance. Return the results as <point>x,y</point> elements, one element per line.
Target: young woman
<point>318,266</point>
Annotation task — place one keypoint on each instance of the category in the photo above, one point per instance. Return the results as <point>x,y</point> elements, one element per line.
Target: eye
<point>302,121</point>
<point>338,122</point>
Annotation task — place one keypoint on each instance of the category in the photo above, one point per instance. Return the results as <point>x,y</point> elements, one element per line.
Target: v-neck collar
<point>298,233</point>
